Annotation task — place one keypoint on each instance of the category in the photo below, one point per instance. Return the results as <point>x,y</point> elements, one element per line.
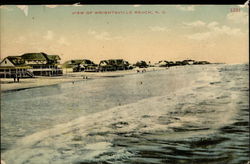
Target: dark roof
<point>53,57</point>
<point>104,61</point>
<point>72,63</point>
<point>20,60</point>
<point>79,61</point>
<point>35,56</point>
<point>16,60</point>
<point>75,62</point>
<point>87,61</point>
<point>115,62</point>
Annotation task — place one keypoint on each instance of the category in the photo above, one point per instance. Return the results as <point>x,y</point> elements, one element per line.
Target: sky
<point>215,33</point>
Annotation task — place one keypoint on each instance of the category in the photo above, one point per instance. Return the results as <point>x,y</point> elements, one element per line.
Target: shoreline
<point>7,85</point>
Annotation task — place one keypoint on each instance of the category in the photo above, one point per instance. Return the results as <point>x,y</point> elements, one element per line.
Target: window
<point>5,62</point>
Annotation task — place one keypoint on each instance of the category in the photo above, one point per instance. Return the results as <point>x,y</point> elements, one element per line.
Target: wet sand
<point>26,83</point>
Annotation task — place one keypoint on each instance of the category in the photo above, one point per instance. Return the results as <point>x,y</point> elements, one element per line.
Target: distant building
<point>37,64</point>
<point>43,64</point>
<point>141,64</point>
<point>121,64</point>
<point>188,62</point>
<point>106,65</point>
<point>87,66</point>
<point>114,65</point>
<point>151,64</point>
<point>71,63</point>
<point>162,63</point>
<point>14,66</point>
<point>201,62</point>
<point>35,58</point>
<point>54,59</point>
<point>12,61</point>
<point>81,65</point>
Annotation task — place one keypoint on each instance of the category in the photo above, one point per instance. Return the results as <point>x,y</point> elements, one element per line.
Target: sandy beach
<point>25,83</point>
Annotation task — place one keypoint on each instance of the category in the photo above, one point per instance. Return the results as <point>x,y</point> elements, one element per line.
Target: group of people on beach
<point>16,78</point>
<point>142,71</point>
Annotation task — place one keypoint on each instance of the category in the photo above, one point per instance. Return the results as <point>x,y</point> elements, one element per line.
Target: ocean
<point>185,114</point>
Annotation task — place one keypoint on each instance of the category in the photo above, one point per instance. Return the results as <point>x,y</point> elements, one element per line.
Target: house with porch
<point>43,64</point>
<point>114,64</point>
<point>36,64</point>
<point>79,65</point>
<point>14,67</point>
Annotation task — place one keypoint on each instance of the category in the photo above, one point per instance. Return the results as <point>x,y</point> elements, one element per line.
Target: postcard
<point>124,84</point>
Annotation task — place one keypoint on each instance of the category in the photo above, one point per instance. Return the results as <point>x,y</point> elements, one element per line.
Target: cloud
<point>195,24</point>
<point>213,30</point>
<point>227,30</point>
<point>238,17</point>
<point>186,7</point>
<point>200,23</point>
<point>24,8</point>
<point>63,41</point>
<point>100,35</point>
<point>200,36</point>
<point>49,35</point>
<point>212,25</point>
<point>157,28</point>
<point>20,39</point>
<point>103,35</point>
<point>92,32</point>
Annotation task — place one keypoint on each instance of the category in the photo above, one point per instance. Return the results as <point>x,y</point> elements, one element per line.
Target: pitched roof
<point>16,60</point>
<point>53,57</point>
<point>72,63</point>
<point>87,61</point>
<point>104,61</point>
<point>75,62</point>
<point>35,56</point>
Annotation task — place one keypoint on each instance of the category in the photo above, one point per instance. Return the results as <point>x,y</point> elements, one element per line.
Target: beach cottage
<point>188,62</point>
<point>121,64</point>
<point>201,62</point>
<point>31,64</point>
<point>114,64</point>
<point>141,64</point>
<point>162,63</point>
<point>106,65</point>
<point>79,65</point>
<point>54,59</point>
<point>14,67</point>
<point>87,66</point>
<point>43,64</point>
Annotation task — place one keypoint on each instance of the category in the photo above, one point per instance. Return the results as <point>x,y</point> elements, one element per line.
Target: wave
<point>199,110</point>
